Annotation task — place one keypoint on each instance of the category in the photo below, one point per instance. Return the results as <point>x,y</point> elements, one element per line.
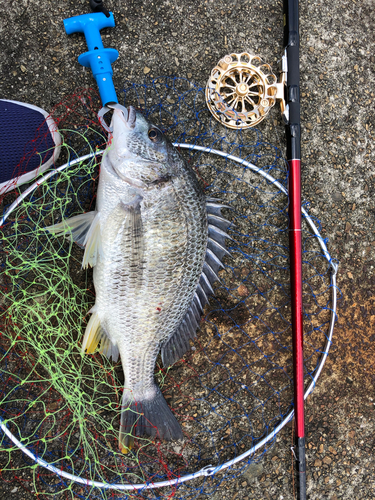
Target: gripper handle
<point>98,58</point>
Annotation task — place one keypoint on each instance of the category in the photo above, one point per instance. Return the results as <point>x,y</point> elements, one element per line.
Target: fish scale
<point>156,244</point>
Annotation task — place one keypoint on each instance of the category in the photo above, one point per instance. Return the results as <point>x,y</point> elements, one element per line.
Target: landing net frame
<point>209,470</point>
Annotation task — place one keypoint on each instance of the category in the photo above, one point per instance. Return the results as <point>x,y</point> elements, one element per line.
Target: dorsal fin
<point>178,343</point>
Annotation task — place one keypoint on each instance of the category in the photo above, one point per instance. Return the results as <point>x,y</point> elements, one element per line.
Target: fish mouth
<point>132,116</point>
<point>129,115</point>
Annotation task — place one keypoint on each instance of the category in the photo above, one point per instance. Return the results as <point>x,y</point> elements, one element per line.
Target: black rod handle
<point>291,44</point>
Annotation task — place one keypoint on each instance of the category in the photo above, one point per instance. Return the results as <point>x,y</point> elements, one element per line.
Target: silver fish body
<point>154,239</point>
<point>156,245</point>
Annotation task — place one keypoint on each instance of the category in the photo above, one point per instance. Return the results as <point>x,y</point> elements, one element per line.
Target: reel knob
<point>241,90</point>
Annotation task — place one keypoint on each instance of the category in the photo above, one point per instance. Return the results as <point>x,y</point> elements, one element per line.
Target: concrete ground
<point>38,64</point>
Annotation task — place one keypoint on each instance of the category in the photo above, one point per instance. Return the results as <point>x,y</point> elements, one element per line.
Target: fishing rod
<point>293,136</point>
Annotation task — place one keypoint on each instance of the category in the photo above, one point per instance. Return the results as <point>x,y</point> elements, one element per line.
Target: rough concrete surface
<point>38,64</point>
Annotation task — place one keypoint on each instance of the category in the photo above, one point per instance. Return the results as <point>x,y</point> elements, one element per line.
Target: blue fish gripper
<point>98,58</point>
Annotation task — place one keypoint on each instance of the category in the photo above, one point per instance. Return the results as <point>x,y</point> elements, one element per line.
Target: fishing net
<point>232,392</point>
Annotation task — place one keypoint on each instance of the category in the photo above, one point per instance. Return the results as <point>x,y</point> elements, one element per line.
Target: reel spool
<point>242,89</point>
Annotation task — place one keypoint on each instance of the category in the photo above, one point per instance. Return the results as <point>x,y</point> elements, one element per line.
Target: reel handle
<point>97,58</point>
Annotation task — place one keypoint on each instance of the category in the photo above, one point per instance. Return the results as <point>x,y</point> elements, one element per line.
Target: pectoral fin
<point>75,228</point>
<point>83,229</point>
<point>93,244</point>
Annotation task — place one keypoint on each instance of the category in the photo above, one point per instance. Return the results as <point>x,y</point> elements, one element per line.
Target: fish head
<point>138,152</point>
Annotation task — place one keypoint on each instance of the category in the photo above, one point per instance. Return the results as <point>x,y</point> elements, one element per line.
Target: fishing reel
<point>242,89</point>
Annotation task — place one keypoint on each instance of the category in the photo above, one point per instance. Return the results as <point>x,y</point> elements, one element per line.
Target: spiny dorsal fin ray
<point>218,221</point>
<point>215,208</point>
<point>217,249</point>
<point>200,303</point>
<point>202,294</point>
<point>210,273</point>
<point>210,199</point>
<point>218,234</point>
<point>213,261</point>
<point>206,285</point>
<point>197,313</point>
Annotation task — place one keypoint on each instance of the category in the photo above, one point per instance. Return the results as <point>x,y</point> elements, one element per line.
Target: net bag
<point>232,392</point>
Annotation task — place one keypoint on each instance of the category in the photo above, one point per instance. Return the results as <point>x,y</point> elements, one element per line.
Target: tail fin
<point>151,417</point>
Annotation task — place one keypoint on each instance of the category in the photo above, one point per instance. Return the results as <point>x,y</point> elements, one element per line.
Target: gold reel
<point>241,90</point>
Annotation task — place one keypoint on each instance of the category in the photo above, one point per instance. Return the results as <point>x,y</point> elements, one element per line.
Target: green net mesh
<point>229,392</point>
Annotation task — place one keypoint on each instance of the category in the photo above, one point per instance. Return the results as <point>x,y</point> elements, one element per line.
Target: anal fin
<point>95,335</point>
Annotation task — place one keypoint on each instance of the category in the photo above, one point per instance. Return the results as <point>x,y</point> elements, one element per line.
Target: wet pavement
<point>187,38</point>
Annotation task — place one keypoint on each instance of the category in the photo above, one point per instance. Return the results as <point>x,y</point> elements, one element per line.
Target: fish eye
<point>155,135</point>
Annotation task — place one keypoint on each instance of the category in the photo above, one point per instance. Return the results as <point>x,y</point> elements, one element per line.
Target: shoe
<point>29,143</point>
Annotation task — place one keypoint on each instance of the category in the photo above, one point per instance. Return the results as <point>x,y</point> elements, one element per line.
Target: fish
<point>156,244</point>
